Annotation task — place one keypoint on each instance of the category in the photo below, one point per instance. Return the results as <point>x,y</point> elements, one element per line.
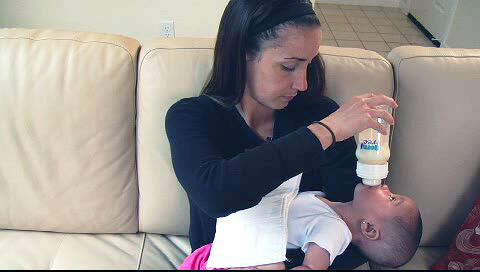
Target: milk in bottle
<point>373,154</point>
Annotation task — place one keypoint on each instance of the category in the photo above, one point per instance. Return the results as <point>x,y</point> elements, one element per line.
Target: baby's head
<point>390,225</point>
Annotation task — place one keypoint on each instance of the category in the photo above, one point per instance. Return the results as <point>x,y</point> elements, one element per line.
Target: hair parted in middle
<point>227,80</point>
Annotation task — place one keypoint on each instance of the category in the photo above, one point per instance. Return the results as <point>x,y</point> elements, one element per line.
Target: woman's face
<point>280,71</point>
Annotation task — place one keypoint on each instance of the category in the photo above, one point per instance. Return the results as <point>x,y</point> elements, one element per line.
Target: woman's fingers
<point>377,126</point>
<point>367,95</point>
<point>382,114</point>
<point>378,100</point>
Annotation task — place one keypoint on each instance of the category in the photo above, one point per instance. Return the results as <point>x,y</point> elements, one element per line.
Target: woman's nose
<point>300,82</point>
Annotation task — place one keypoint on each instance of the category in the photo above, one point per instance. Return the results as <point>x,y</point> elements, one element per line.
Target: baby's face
<point>379,202</point>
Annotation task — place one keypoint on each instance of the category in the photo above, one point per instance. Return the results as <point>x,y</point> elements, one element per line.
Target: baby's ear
<point>369,230</point>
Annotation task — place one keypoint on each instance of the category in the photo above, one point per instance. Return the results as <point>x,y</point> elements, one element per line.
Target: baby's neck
<point>347,213</point>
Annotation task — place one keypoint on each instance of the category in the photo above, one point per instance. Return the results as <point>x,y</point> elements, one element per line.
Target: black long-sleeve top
<point>225,167</point>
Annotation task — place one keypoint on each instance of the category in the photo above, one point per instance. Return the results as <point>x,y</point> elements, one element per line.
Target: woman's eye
<point>288,68</point>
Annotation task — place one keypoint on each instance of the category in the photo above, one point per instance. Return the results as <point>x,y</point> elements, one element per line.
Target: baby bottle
<point>373,154</point>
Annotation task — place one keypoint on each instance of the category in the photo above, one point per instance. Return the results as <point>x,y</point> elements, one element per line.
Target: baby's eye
<point>392,198</point>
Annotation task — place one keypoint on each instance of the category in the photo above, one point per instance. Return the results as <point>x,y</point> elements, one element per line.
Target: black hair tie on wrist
<point>334,140</point>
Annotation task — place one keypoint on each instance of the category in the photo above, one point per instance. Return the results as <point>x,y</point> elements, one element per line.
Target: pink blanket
<point>198,259</point>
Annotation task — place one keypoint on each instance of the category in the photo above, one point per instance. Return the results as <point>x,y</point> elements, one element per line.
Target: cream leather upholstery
<point>67,122</point>
<point>73,133</point>
<point>168,71</point>
<point>351,72</point>
<point>56,251</point>
<point>436,141</point>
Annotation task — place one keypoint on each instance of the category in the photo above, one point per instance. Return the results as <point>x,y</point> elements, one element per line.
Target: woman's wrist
<point>323,134</point>
<point>334,141</point>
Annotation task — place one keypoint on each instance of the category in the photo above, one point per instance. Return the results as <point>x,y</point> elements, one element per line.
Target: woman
<point>262,119</point>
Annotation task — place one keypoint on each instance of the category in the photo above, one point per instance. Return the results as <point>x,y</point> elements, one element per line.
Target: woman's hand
<point>360,113</point>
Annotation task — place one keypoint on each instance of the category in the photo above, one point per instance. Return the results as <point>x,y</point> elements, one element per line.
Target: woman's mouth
<point>288,98</point>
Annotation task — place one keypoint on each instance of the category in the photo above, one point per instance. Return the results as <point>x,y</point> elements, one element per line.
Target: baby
<point>387,229</point>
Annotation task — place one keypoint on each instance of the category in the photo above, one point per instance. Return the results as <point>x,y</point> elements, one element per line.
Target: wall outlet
<point>167,29</point>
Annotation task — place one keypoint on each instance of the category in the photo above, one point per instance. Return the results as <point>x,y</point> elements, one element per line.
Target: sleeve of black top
<point>336,173</point>
<point>219,186</point>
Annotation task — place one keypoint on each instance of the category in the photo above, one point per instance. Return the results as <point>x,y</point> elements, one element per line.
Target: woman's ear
<point>369,230</point>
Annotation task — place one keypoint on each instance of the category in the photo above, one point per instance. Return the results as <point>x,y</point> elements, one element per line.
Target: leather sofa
<point>86,180</point>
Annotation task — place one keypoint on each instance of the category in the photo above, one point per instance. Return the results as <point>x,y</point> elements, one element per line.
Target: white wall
<point>135,18</point>
<point>405,6</point>
<point>464,30</point>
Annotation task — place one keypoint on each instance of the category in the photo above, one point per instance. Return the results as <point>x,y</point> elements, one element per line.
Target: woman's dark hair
<point>227,80</point>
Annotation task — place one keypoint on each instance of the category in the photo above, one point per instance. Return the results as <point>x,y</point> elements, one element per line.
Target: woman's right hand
<point>360,113</point>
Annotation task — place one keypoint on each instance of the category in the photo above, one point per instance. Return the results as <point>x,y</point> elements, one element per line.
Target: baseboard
<point>381,3</point>
<point>424,30</point>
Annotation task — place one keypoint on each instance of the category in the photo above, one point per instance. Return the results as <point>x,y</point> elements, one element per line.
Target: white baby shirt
<point>257,235</point>
<point>260,235</point>
<point>311,220</point>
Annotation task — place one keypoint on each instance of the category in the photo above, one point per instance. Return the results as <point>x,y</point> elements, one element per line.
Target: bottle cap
<point>372,171</point>
<point>372,182</point>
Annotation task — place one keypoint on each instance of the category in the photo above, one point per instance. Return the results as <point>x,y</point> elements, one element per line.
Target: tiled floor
<point>378,29</point>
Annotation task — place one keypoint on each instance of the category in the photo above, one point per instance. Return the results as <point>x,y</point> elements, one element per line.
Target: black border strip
<point>424,30</point>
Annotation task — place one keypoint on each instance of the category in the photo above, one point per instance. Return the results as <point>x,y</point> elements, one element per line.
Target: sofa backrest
<point>435,148</point>
<point>169,70</point>
<point>67,132</point>
<point>173,69</point>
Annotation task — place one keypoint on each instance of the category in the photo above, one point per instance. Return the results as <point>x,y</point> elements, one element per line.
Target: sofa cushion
<point>171,69</point>
<point>436,138</point>
<point>67,122</point>
<point>352,71</point>
<point>43,250</point>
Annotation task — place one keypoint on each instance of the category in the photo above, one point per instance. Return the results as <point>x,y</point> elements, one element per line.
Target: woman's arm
<point>222,186</point>
<point>338,175</point>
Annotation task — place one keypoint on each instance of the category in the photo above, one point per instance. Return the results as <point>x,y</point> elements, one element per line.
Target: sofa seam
<point>160,48</point>
<point>135,104</point>
<point>140,256</point>
<point>52,262</point>
<point>414,57</point>
<point>205,48</point>
<point>397,71</point>
<point>352,57</point>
